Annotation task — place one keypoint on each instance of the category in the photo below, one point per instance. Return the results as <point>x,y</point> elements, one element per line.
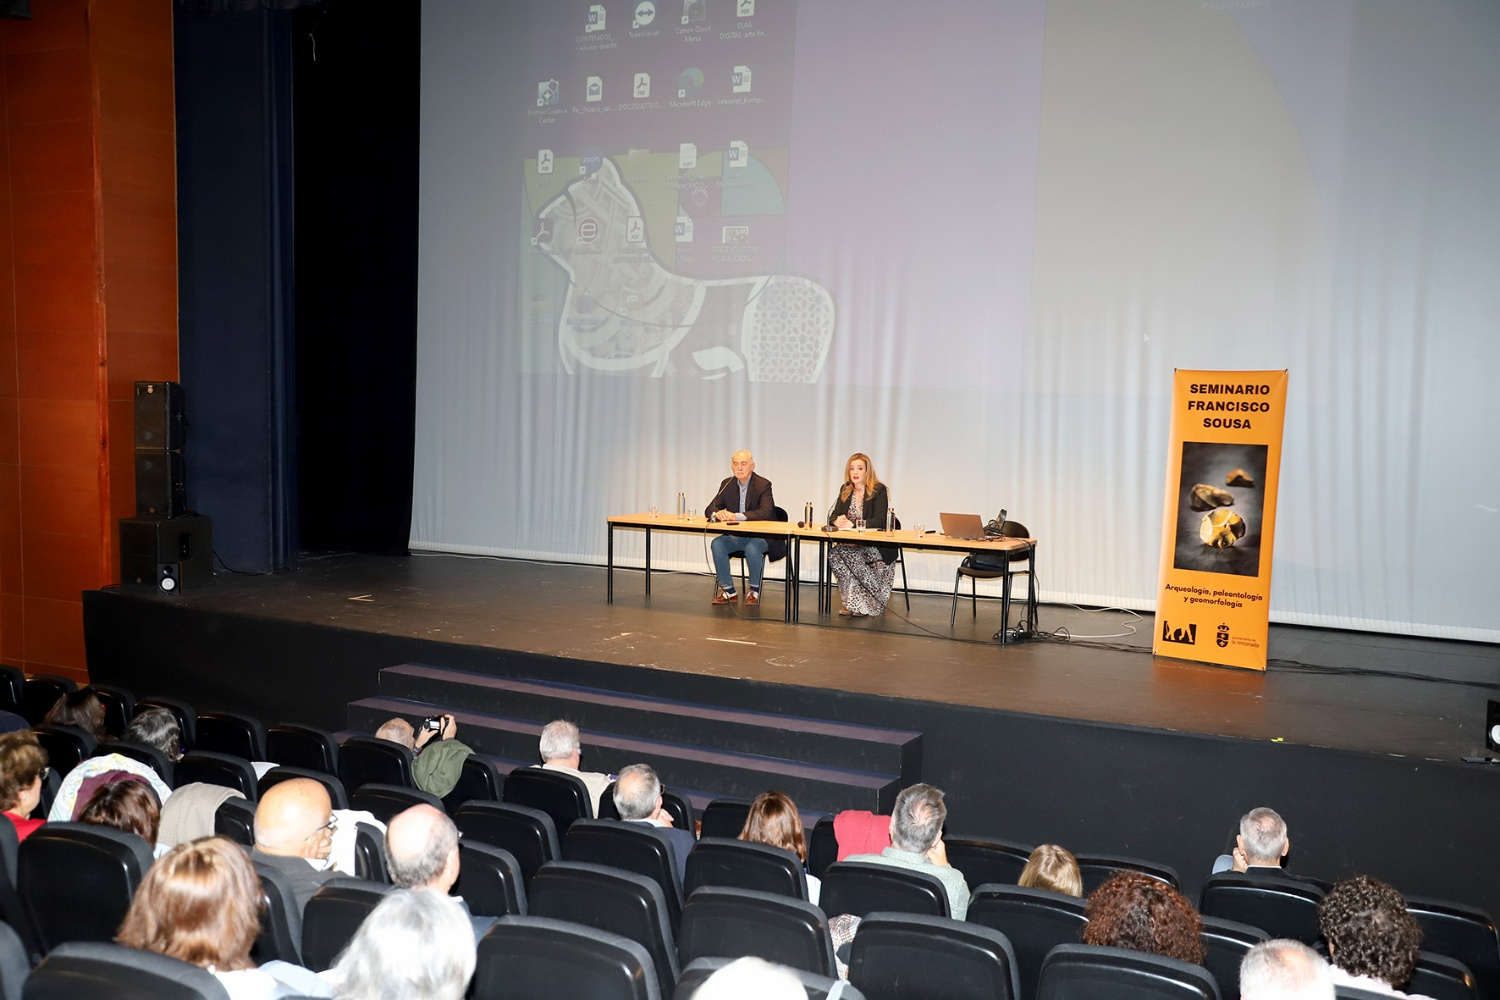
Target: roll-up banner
<point>1223,462</point>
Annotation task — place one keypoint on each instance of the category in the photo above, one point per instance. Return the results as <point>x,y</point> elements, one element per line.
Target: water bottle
<point>890,520</point>
<point>807,514</point>
<point>681,505</point>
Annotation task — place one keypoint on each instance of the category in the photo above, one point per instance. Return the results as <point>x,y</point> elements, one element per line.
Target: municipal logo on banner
<point>1224,460</point>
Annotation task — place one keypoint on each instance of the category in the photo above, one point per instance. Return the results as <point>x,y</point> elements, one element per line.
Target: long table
<point>795,536</point>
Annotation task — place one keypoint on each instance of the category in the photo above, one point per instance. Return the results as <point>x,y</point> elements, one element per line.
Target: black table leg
<point>609,573</point>
<point>648,562</point>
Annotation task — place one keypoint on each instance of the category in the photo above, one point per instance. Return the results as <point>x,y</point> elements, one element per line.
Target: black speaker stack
<point>164,546</point>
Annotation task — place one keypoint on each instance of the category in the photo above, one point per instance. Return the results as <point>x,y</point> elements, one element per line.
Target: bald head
<point>397,730</point>
<point>293,819</point>
<point>743,463</point>
<point>421,849</point>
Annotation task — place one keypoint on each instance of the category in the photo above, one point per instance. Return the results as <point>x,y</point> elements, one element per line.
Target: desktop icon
<point>594,89</point>
<point>596,18</point>
<point>735,234</point>
<point>682,229</point>
<point>541,231</point>
<point>739,154</point>
<point>588,230</point>
<point>590,159</point>
<point>642,86</point>
<point>744,8</point>
<point>635,229</point>
<point>741,80</point>
<point>544,161</point>
<point>645,13</point>
<point>693,10</point>
<point>546,93</point>
<point>689,82</point>
<point>687,156</point>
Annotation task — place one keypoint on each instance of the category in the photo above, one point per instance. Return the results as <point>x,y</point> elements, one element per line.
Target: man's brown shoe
<point>752,598</point>
<point>721,596</point>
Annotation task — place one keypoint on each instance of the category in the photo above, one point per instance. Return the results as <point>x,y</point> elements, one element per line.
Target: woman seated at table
<point>864,571</point>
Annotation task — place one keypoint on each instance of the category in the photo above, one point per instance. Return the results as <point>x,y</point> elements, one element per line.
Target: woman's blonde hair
<point>870,481</point>
<point>1053,868</point>
<point>774,820</point>
<point>201,904</point>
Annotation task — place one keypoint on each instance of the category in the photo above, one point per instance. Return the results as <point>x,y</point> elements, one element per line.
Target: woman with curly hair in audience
<point>201,903</point>
<point>774,821</point>
<point>1135,911</point>
<point>23,768</point>
<point>1372,938</point>
<point>1052,868</point>
<point>81,709</point>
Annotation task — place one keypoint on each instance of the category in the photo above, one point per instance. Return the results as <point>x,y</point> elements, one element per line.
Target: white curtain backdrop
<point>972,240</point>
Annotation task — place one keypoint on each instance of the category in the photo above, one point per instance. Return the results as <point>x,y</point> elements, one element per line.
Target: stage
<point>1092,742</point>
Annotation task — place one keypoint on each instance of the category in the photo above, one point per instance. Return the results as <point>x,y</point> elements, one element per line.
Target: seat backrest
<point>15,963</point>
<point>629,846</point>
<point>148,755</point>
<point>280,935</point>
<point>1466,933</point>
<point>40,692</point>
<point>215,768</point>
<point>731,923</point>
<point>1081,970</point>
<point>1441,978</point>
<point>332,916</point>
<point>537,958</point>
<point>229,732</point>
<point>861,888</point>
<point>724,818</point>
<point>235,819</point>
<point>76,881</point>
<point>1225,945</point>
<point>11,910</point>
<point>900,956</point>
<point>119,706</point>
<point>822,847</point>
<point>185,714</point>
<point>528,834</point>
<point>336,793</point>
<point>817,987</point>
<point>1280,906</point>
<point>291,744</point>
<point>561,796</point>
<point>490,880</point>
<point>480,778</point>
<point>612,900</point>
<point>66,746</point>
<point>12,688</point>
<point>1097,868</point>
<point>1034,920</point>
<point>738,864</point>
<point>369,854</point>
<point>367,760</point>
<point>985,859</point>
<point>385,801</point>
<point>96,970</point>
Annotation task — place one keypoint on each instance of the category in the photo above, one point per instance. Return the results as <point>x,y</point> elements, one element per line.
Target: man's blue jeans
<point>755,558</point>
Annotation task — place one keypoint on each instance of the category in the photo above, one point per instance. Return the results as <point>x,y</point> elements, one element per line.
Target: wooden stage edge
<point>1382,694</point>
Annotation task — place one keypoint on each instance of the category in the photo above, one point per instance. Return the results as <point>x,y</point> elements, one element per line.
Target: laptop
<point>969,527</point>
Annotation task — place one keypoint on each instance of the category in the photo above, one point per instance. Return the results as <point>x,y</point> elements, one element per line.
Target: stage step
<point>714,751</point>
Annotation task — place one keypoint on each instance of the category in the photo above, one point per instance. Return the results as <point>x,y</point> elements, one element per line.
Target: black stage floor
<point>1347,690</point>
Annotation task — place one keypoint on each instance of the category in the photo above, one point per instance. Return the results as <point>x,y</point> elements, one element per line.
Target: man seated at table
<point>744,496</point>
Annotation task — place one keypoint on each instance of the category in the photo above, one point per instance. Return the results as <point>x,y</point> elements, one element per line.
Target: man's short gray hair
<point>1283,969</point>
<point>636,790</point>
<point>917,821</point>
<point>422,868</point>
<point>559,740</point>
<point>156,727</point>
<point>416,943</point>
<point>1264,833</point>
<point>752,979</point>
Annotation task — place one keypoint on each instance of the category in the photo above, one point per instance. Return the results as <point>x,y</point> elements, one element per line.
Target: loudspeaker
<point>159,424</point>
<point>1492,726</point>
<point>166,554</point>
<point>160,484</point>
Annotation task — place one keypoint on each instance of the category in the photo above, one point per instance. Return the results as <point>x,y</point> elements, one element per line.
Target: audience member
<point>416,944</point>
<point>917,843</point>
<point>638,799</point>
<point>294,825</point>
<point>1052,868</point>
<point>128,805</point>
<point>751,979</point>
<point>201,904</point>
<point>192,812</point>
<point>81,709</point>
<point>439,757</point>
<point>1260,845</point>
<point>155,727</point>
<point>421,852</point>
<point>1372,939</point>
<point>1135,911</point>
<point>1282,969</point>
<point>562,751</point>
<point>23,768</point>
<point>774,820</point>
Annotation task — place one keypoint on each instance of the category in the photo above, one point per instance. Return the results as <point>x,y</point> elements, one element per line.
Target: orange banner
<point>1223,463</point>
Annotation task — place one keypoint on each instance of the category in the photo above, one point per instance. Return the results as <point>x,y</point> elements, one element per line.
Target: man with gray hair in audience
<point>562,751</point>
<point>1261,844</point>
<point>1282,969</point>
<point>421,851</point>
<point>638,798</point>
<point>917,844</point>
<point>411,945</point>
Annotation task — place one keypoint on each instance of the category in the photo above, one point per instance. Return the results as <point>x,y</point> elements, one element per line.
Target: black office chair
<point>1225,945</point>
<point>216,769</point>
<point>40,692</point>
<point>1461,932</point>
<point>333,915</point>
<point>994,564</point>
<point>1080,970</point>
<point>630,847</point>
<point>986,859</point>
<point>528,834</point>
<point>385,801</point>
<point>280,937</point>
<point>481,778</point>
<point>905,956</point>
<point>229,732</point>
<point>66,746</point>
<point>817,987</point>
<point>738,864</point>
<point>337,796</point>
<point>537,958</point>
<point>235,819</point>
<point>612,900</point>
<point>724,818</point>
<point>861,888</point>
<point>185,714</point>
<point>98,970</point>
<point>293,745</point>
<point>369,760</point>
<point>731,923</point>
<point>153,758</point>
<point>561,796</point>
<point>1034,920</point>
<point>76,881</point>
<point>490,880</point>
<point>1278,905</point>
<point>1096,869</point>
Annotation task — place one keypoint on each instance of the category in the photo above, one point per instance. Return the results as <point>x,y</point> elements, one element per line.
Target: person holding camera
<point>439,756</point>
